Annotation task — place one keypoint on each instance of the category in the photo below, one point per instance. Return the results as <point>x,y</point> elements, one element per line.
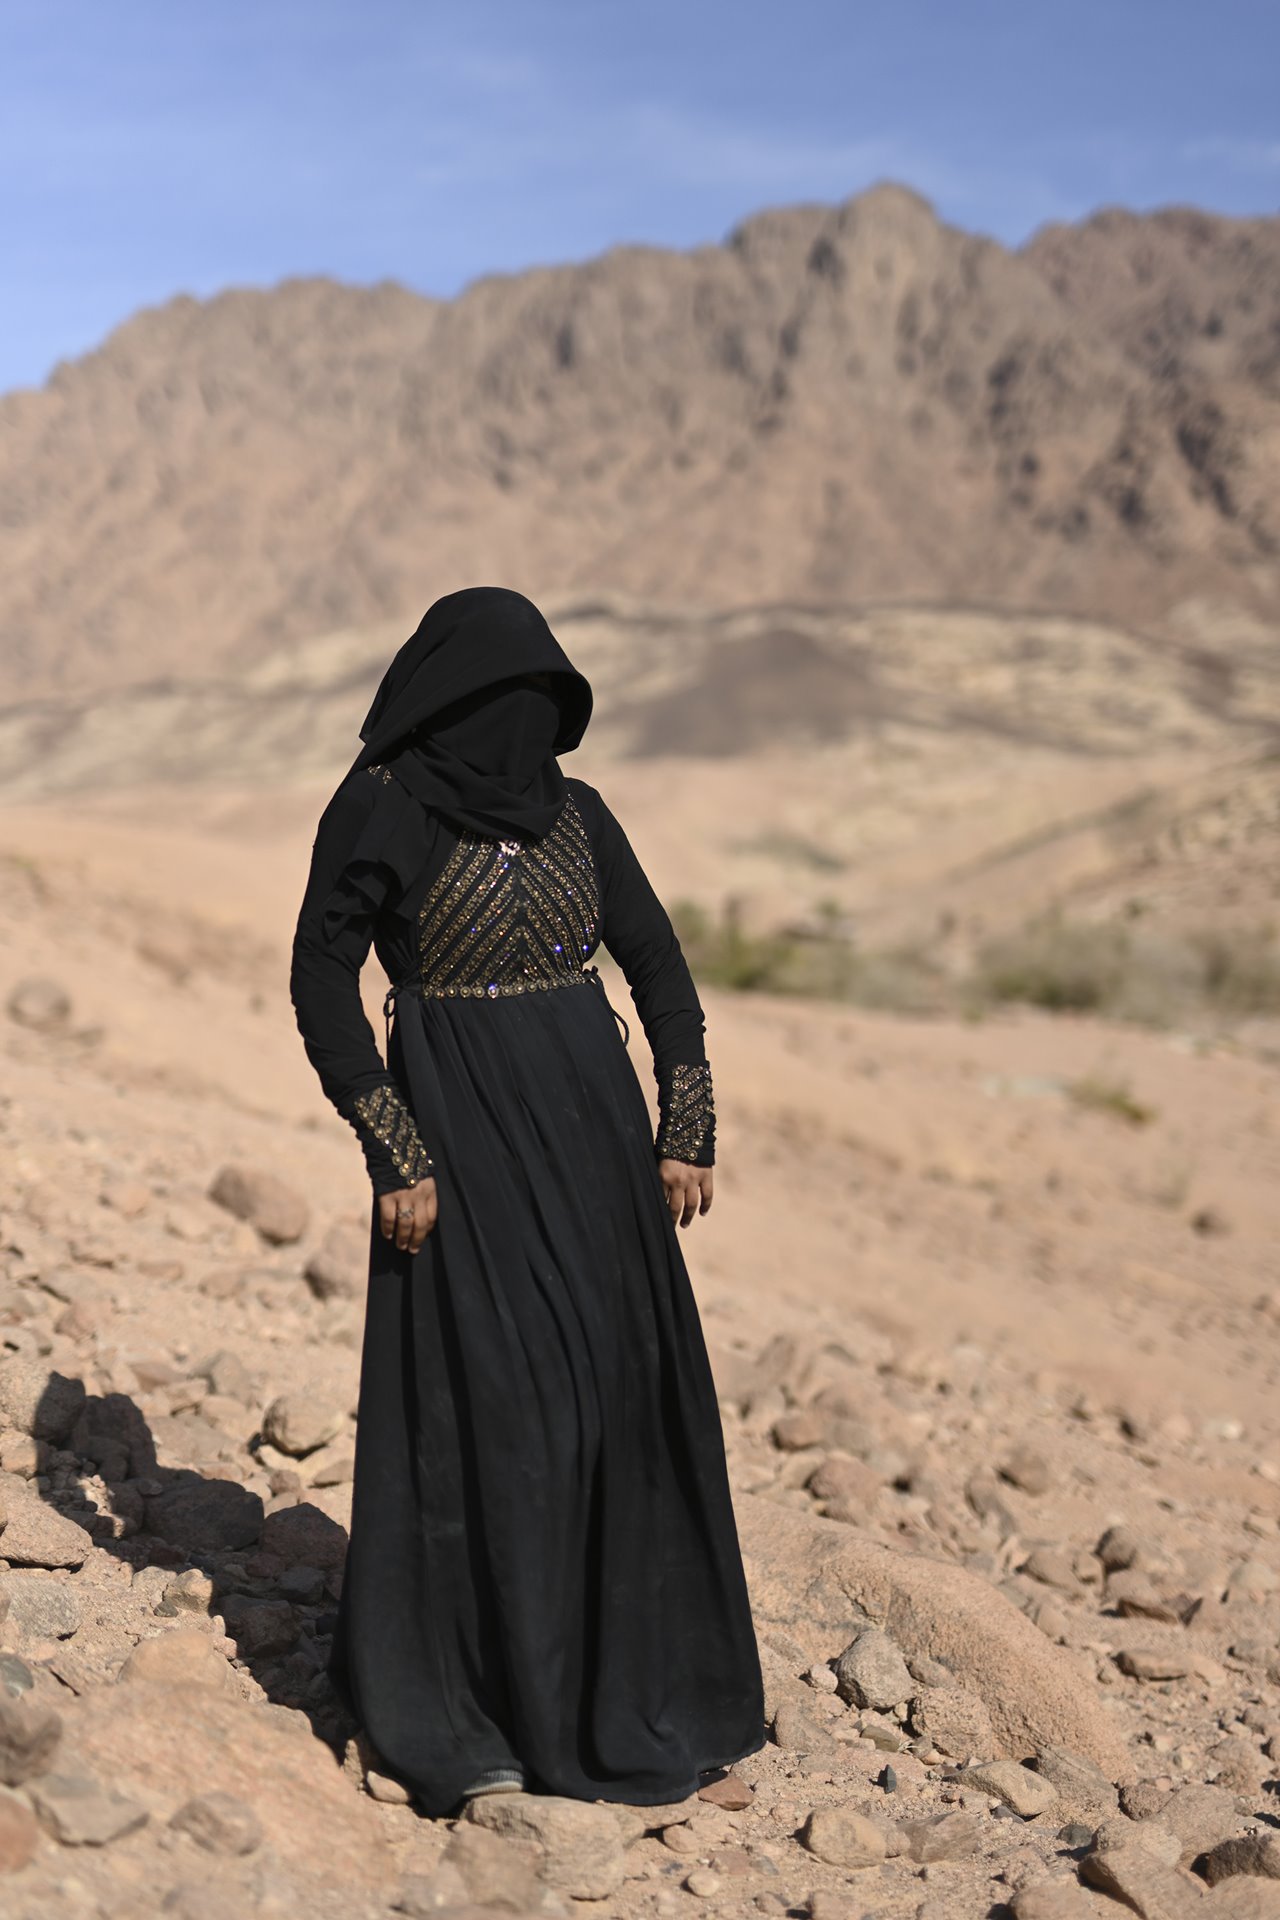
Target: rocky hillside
<point>998,1365</point>
<point>838,404</point>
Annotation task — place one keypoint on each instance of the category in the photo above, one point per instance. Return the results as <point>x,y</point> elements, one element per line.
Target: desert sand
<point>993,1305</point>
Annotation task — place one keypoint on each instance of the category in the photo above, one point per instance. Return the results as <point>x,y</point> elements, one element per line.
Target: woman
<point>544,1584</point>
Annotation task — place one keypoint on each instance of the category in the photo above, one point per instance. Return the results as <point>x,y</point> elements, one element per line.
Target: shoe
<point>495,1780</point>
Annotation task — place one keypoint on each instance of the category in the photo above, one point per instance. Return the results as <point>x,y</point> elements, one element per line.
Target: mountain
<point>847,404</point>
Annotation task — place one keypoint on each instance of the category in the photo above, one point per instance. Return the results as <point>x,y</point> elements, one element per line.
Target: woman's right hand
<point>408,1215</point>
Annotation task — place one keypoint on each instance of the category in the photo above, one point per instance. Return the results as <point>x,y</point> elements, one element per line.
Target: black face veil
<point>474,709</point>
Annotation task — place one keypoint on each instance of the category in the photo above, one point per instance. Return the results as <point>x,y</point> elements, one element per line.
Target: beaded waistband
<point>496,990</point>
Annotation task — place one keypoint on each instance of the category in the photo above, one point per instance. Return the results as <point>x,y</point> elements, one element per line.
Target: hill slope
<point>840,404</point>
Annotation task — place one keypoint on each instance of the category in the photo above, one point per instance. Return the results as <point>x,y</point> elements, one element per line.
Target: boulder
<point>37,1400</point>
<point>580,1844</point>
<point>843,1837</point>
<point>815,1575</point>
<point>163,1745</point>
<point>298,1423</point>
<point>955,1723</point>
<point>37,1535</point>
<point>305,1536</point>
<point>201,1515</point>
<point>277,1211</point>
<point>871,1672</point>
<point>47,1609</point>
<point>1014,1785</point>
<point>182,1656</point>
<point>1257,1854</point>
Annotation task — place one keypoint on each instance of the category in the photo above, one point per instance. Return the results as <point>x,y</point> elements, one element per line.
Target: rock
<point>303,1535</point>
<point>39,1535</point>
<point>1201,1817</point>
<point>1084,1791</point>
<point>955,1723</point>
<point>1150,1836</point>
<point>843,1838</point>
<point>260,1627</point>
<point>1252,1580</point>
<point>29,1736</point>
<point>16,1677</point>
<point>218,1822</point>
<point>1139,1881</point>
<point>1144,1799</point>
<point>1240,1767</point>
<point>871,1672</point>
<point>796,1730</point>
<point>298,1423</point>
<point>1026,1469</point>
<point>40,1003</point>
<point>189,1592</point>
<point>1243,1899</point>
<point>202,1515</point>
<point>1134,1595</point>
<point>1013,1785</point>
<point>19,1832</point>
<point>495,1871</point>
<point>1052,1568</point>
<point>1052,1900</point>
<point>846,1484</point>
<point>227,1376</point>
<point>982,1491</point>
<point>303,1585</point>
<point>802,1568</point>
<point>181,1657</point>
<point>730,1792</point>
<point>885,1734</point>
<point>581,1844</point>
<point>795,1432</point>
<point>333,1465</point>
<point>339,1267</point>
<point>81,1812</point>
<point>1257,1854</point>
<point>166,1748</point>
<point>22,1454</point>
<point>36,1400</point>
<point>47,1609</point>
<point>1122,1547</point>
<point>277,1212</point>
<point>824,1903</point>
<point>203,1900</point>
<point>942,1836</point>
<point>441,1895</point>
<point>110,1431</point>
<point>1154,1663</point>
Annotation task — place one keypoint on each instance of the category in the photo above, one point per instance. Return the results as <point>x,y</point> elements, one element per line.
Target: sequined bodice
<point>505,917</point>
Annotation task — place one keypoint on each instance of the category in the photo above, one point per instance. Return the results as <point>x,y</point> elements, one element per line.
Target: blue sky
<point>150,147</point>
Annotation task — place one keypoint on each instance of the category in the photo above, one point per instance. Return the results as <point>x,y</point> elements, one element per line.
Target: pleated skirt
<point>544,1569</point>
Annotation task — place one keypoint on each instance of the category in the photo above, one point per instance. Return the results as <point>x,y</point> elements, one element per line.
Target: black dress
<point>544,1568</point>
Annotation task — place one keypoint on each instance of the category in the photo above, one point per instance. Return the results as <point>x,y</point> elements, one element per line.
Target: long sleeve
<point>329,949</point>
<point>637,931</point>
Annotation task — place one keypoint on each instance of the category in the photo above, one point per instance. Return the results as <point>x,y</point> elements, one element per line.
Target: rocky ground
<point>998,1360</point>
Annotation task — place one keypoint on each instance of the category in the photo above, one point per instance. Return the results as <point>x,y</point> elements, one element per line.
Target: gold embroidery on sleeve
<point>389,1120</point>
<point>688,1112</point>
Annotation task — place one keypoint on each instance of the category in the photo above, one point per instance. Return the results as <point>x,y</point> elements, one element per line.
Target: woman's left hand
<point>409,1215</point>
<point>688,1189</point>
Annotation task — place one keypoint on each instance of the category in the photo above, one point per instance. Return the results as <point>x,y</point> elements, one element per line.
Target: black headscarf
<point>473,710</point>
